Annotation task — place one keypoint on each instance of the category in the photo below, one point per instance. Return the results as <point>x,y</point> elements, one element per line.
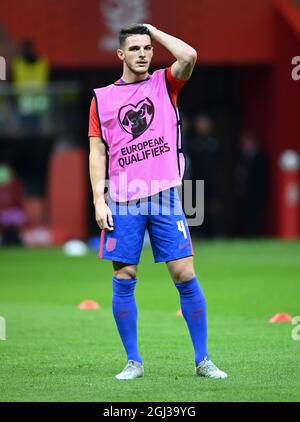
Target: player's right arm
<point>97,164</point>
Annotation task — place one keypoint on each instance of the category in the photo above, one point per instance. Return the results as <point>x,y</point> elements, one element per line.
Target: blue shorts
<point>161,215</point>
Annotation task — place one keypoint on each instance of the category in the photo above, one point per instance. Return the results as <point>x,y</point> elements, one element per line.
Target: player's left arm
<point>186,56</point>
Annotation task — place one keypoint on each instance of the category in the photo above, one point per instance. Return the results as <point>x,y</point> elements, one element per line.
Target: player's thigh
<point>169,233</point>
<point>181,269</point>
<point>124,271</point>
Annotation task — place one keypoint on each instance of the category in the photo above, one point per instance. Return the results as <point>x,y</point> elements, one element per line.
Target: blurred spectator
<point>28,69</point>
<point>30,75</point>
<point>251,186</point>
<point>204,151</point>
<point>12,215</point>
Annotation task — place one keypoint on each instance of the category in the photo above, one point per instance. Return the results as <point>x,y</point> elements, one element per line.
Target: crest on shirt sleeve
<point>135,119</point>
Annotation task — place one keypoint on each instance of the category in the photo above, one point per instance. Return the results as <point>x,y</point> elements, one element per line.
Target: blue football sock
<point>193,307</point>
<point>125,313</point>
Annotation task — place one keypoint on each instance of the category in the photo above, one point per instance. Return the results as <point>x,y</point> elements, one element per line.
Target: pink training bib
<point>140,127</point>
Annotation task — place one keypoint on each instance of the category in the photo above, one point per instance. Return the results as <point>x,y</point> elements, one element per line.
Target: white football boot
<point>207,368</point>
<point>131,371</point>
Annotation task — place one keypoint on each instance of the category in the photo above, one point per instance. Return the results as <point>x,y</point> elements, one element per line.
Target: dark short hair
<point>127,31</point>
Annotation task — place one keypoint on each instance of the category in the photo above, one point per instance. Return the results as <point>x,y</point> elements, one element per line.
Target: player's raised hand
<point>104,217</point>
<point>150,27</point>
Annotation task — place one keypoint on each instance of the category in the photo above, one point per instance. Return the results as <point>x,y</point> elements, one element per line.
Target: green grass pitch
<point>55,352</point>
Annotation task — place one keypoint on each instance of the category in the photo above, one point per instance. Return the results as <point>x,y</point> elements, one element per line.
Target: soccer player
<point>134,134</point>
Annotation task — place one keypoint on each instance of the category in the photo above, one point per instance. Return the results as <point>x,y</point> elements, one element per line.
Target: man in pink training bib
<point>135,137</point>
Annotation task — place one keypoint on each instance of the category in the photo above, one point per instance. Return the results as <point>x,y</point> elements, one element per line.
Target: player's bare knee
<point>181,270</point>
<point>124,271</point>
<point>181,275</point>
